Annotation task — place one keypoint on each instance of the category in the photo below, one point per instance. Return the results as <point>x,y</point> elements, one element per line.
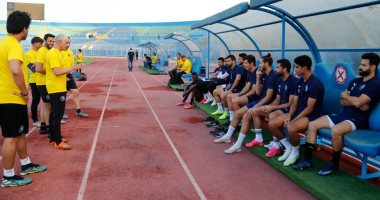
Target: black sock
<point>336,158</point>
<point>309,150</point>
<point>78,110</point>
<point>43,125</point>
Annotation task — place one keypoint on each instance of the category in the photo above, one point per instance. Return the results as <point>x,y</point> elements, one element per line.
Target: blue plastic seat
<point>364,141</point>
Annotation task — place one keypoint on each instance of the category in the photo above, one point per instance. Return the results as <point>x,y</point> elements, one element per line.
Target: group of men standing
<point>50,62</point>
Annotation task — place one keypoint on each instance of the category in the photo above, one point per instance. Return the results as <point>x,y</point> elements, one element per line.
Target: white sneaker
<point>213,103</point>
<point>291,159</point>
<point>270,145</point>
<point>223,139</point>
<point>233,149</point>
<point>285,155</point>
<point>37,124</point>
<point>209,100</point>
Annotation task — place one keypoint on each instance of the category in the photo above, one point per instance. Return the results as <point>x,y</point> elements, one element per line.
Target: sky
<point>127,11</point>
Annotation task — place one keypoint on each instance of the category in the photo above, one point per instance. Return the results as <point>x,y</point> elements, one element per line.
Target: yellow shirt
<point>30,57</point>
<point>154,60</point>
<point>68,57</point>
<point>10,49</point>
<point>79,57</point>
<point>54,83</point>
<point>41,58</point>
<point>187,64</point>
<point>179,62</point>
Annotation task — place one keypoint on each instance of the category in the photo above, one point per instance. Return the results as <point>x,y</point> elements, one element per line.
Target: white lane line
<point>29,133</point>
<point>175,150</point>
<point>91,156</point>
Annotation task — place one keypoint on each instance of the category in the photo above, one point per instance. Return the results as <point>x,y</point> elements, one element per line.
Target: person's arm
<point>18,76</point>
<point>60,70</point>
<point>292,110</point>
<point>252,91</point>
<point>244,90</point>
<point>266,99</point>
<point>40,68</point>
<point>258,85</point>
<point>357,102</point>
<point>236,82</point>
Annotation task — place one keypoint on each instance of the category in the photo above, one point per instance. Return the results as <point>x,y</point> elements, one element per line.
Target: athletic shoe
<point>65,140</point>
<point>43,131</point>
<point>32,168</point>
<point>224,116</point>
<point>215,131</point>
<point>285,155</point>
<point>217,112</point>
<point>203,101</point>
<point>291,159</point>
<point>81,114</point>
<point>226,123</point>
<point>209,100</point>
<point>36,124</point>
<point>328,169</point>
<point>65,116</point>
<point>233,149</point>
<point>254,143</point>
<point>61,146</point>
<point>189,106</point>
<point>213,103</point>
<point>223,139</point>
<point>272,152</point>
<point>14,181</point>
<point>269,145</point>
<point>302,164</point>
<point>181,103</point>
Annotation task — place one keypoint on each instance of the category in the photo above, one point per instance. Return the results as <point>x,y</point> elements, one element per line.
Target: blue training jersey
<point>311,88</point>
<point>286,88</point>
<point>269,81</point>
<point>238,70</point>
<point>357,87</point>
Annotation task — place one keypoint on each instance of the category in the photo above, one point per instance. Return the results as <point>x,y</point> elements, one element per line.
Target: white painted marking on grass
<point>175,150</point>
<point>91,156</point>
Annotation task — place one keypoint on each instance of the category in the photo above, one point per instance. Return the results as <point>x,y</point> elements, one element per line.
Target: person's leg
<point>294,128</point>
<point>58,107</point>
<point>311,138</point>
<point>132,64</point>
<point>35,101</point>
<point>276,124</point>
<point>226,113</point>
<point>338,131</point>
<point>234,123</point>
<point>78,111</point>
<point>46,98</point>
<point>243,132</point>
<point>239,102</point>
<point>258,116</point>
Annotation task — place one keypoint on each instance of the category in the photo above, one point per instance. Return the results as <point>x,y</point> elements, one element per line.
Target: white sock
<point>295,150</point>
<point>220,107</point>
<point>230,131</point>
<point>240,139</point>
<point>259,135</point>
<point>232,114</point>
<point>276,145</point>
<point>226,110</point>
<point>9,172</point>
<point>25,161</point>
<point>286,143</point>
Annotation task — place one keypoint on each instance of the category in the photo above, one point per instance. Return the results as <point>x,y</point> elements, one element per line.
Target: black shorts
<point>14,120</point>
<point>70,84</point>
<point>46,98</point>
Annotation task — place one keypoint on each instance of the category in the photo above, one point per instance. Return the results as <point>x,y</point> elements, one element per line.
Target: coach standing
<point>56,87</point>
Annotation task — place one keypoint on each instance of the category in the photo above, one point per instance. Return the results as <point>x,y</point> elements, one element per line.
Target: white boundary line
<point>92,152</point>
<point>175,150</point>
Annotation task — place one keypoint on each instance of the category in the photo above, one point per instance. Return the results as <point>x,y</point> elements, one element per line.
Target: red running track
<point>138,145</point>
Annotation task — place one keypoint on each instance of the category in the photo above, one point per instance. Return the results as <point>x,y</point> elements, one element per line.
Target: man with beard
<point>41,81</point>
<point>358,100</point>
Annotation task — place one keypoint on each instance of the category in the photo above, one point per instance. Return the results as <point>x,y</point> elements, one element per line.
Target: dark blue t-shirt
<point>269,81</point>
<point>251,77</point>
<point>357,87</point>
<point>311,88</point>
<point>286,88</point>
<point>234,72</point>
